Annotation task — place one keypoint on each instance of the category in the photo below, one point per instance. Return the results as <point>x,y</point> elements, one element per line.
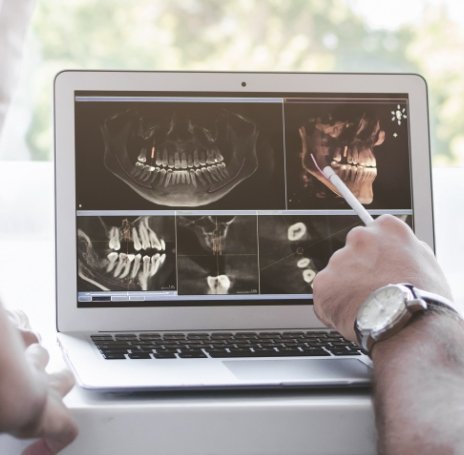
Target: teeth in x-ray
<point>154,241</point>
<point>157,261</point>
<point>121,264</point>
<point>168,178</point>
<point>207,176</point>
<point>309,275</point>
<point>193,178</point>
<point>214,173</point>
<point>183,160</point>
<point>202,157</point>
<point>296,231</point>
<point>112,257</point>
<point>177,163</point>
<point>196,160</point>
<point>163,245</point>
<point>127,266</point>
<point>223,170</point>
<point>210,157</point>
<point>136,267</point>
<point>218,284</point>
<point>136,240</point>
<point>303,263</point>
<point>142,156</point>
<point>114,239</point>
<point>200,177</point>
<point>143,231</point>
<point>146,265</point>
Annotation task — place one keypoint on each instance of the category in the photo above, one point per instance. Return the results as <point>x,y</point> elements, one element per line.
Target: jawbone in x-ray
<point>217,255</point>
<point>176,162</point>
<point>126,253</point>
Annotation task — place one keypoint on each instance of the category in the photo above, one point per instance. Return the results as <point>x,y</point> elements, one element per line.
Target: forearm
<point>419,387</point>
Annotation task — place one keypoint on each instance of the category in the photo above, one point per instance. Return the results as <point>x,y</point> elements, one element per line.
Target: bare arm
<point>419,388</point>
<point>419,372</point>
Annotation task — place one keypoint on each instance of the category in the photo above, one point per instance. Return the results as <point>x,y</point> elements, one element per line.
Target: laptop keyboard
<point>175,345</point>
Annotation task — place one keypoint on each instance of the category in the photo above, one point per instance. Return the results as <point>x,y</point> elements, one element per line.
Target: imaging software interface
<point>198,199</point>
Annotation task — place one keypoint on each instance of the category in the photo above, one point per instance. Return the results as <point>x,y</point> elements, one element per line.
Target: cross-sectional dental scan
<point>126,253</point>
<point>366,144</point>
<point>294,248</point>
<point>180,155</point>
<point>201,199</point>
<point>217,254</point>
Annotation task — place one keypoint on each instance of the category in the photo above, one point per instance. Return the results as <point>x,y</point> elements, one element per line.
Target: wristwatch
<point>390,308</point>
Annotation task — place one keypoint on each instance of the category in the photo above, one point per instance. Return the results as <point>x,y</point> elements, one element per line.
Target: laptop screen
<point>202,199</point>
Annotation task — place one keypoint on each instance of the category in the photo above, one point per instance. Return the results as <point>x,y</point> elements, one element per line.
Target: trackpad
<point>300,370</point>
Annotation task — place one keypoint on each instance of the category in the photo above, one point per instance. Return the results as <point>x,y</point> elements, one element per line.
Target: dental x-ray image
<point>117,253</point>
<point>217,255</point>
<point>365,142</point>
<point>179,155</point>
<point>292,249</point>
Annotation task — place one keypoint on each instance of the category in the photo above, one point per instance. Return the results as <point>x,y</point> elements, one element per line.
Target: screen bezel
<point>72,318</point>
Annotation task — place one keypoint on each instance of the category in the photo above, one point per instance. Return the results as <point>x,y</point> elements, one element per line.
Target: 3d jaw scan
<point>177,162</point>
<point>130,255</point>
<point>345,141</point>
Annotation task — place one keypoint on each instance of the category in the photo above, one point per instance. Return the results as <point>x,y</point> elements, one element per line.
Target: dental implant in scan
<point>362,144</point>
<point>126,253</point>
<point>217,255</point>
<point>176,162</point>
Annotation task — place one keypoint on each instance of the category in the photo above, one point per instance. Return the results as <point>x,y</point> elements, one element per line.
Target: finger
<point>29,337</point>
<point>62,381</point>
<point>37,448</point>
<point>51,445</point>
<point>37,356</point>
<point>58,429</point>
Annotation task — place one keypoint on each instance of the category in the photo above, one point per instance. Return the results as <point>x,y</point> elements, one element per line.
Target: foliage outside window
<point>247,35</point>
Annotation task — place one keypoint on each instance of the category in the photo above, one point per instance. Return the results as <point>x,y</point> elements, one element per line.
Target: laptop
<point>190,224</point>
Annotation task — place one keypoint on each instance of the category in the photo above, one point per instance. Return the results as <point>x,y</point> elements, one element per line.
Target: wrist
<point>391,308</point>
<point>428,331</point>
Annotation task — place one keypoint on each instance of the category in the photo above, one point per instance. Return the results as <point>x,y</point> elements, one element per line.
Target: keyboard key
<point>139,355</point>
<point>114,356</point>
<point>191,354</point>
<point>315,352</point>
<point>149,336</point>
<point>164,355</point>
<point>125,336</point>
<point>221,335</point>
<point>218,353</point>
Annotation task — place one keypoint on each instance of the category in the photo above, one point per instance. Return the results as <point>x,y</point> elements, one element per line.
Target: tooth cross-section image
<point>217,255</point>
<point>362,141</point>
<point>177,155</point>
<point>294,248</point>
<point>126,253</point>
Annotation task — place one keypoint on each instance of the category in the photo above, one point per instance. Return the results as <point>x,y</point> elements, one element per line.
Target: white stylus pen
<point>349,197</point>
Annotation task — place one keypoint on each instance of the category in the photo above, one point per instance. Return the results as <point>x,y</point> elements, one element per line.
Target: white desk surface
<point>316,422</point>
<point>212,423</point>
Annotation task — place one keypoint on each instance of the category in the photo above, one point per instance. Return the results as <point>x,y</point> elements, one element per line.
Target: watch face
<point>383,307</point>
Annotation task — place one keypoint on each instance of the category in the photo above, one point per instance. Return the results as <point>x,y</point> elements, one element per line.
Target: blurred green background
<point>419,36</point>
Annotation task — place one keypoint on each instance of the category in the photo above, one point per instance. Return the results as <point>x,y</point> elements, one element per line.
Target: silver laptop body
<point>186,210</point>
